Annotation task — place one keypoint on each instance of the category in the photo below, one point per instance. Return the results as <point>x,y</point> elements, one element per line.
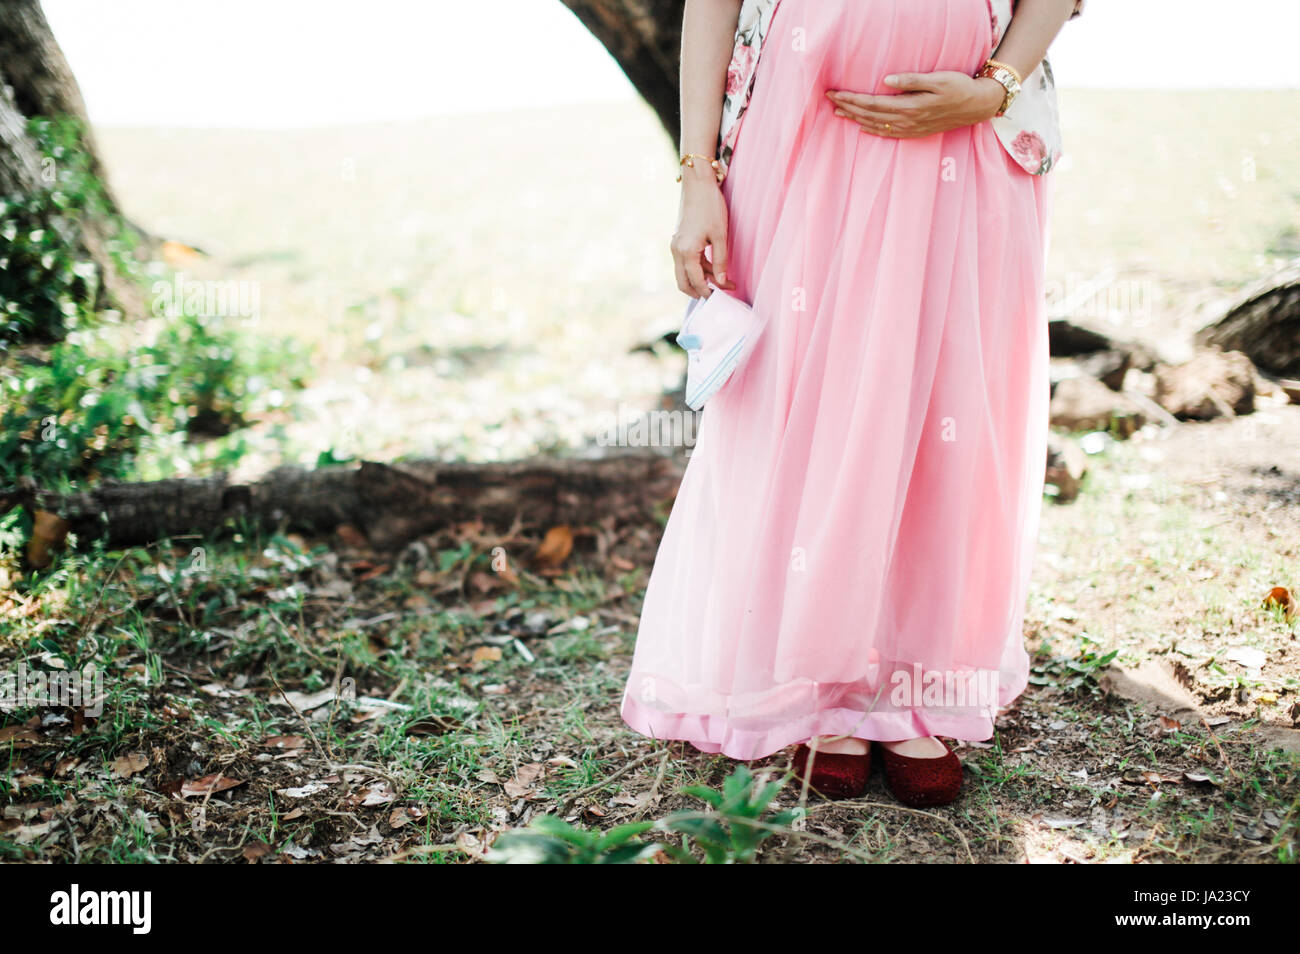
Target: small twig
<point>862,803</point>
<point>398,787</point>
<point>294,639</point>
<point>319,748</point>
<point>203,808</point>
<point>99,598</point>
<point>419,850</point>
<point>654,789</point>
<point>237,847</point>
<point>72,834</point>
<point>392,696</point>
<point>176,600</point>
<point>1222,754</point>
<point>338,678</point>
<point>1144,403</point>
<point>630,766</point>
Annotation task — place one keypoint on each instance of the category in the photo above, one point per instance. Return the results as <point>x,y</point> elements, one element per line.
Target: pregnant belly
<point>855,44</point>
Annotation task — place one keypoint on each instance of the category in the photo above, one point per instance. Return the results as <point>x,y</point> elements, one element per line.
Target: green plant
<point>82,412</point>
<point>550,840</point>
<point>737,825</point>
<point>1071,672</point>
<point>220,373</point>
<point>90,409</point>
<point>730,832</point>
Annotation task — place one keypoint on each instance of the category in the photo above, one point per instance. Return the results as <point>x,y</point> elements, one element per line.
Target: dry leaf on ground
<point>208,785</point>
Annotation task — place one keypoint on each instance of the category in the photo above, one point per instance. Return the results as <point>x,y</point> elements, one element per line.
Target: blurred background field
<point>472,285</point>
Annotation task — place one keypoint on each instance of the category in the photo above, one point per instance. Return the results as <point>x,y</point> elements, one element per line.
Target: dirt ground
<point>1169,558</point>
<point>284,702</point>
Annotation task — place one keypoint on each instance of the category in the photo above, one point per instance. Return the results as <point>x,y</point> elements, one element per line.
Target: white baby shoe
<point>718,333</point>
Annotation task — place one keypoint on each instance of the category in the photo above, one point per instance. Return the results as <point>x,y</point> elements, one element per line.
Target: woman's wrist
<point>993,92</point>
<point>699,167</point>
<point>700,172</point>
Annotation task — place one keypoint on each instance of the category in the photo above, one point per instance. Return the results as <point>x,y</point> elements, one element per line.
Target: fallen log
<point>390,503</point>
<point>1265,324</point>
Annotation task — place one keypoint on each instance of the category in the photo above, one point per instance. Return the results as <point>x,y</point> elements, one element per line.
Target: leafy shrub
<point>90,410</point>
<point>731,831</point>
<point>1079,671</point>
<point>737,825</point>
<point>47,282</point>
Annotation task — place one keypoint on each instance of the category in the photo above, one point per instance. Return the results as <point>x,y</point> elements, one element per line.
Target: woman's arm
<point>1031,31</point>
<point>936,102</point>
<point>708,33</point>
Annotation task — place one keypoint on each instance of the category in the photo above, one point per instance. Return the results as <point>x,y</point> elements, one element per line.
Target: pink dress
<point>850,548</point>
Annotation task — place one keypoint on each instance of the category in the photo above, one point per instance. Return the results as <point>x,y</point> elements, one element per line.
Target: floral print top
<point>1030,129</point>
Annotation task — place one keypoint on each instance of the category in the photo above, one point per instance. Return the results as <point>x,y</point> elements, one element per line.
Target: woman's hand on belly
<point>926,104</point>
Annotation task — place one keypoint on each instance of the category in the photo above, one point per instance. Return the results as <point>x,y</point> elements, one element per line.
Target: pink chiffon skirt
<point>850,548</point>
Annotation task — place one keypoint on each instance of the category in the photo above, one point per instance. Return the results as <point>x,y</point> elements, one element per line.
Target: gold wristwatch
<point>1008,76</point>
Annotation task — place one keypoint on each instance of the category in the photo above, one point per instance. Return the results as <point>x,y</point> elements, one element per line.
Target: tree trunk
<point>645,38</point>
<point>36,81</point>
<point>1265,325</point>
<point>389,503</point>
<point>20,163</point>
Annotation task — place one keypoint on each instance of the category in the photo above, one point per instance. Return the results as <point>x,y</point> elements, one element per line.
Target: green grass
<point>480,301</point>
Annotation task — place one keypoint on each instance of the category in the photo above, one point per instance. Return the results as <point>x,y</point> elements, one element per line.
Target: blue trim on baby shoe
<point>726,366</point>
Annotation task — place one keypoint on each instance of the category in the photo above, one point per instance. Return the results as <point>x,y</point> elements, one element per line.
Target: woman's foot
<point>919,774</point>
<point>927,748</point>
<point>838,745</point>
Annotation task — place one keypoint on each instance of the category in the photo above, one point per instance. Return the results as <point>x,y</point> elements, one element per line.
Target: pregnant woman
<point>848,555</point>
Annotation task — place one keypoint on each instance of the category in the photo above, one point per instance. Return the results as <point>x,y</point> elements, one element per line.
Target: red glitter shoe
<point>923,782</point>
<point>834,774</point>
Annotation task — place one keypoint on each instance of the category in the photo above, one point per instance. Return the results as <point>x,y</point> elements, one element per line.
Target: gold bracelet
<point>689,160</point>
<point>997,70</point>
<point>998,64</point>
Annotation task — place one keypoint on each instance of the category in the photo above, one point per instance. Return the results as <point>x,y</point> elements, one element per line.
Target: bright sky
<point>280,63</point>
